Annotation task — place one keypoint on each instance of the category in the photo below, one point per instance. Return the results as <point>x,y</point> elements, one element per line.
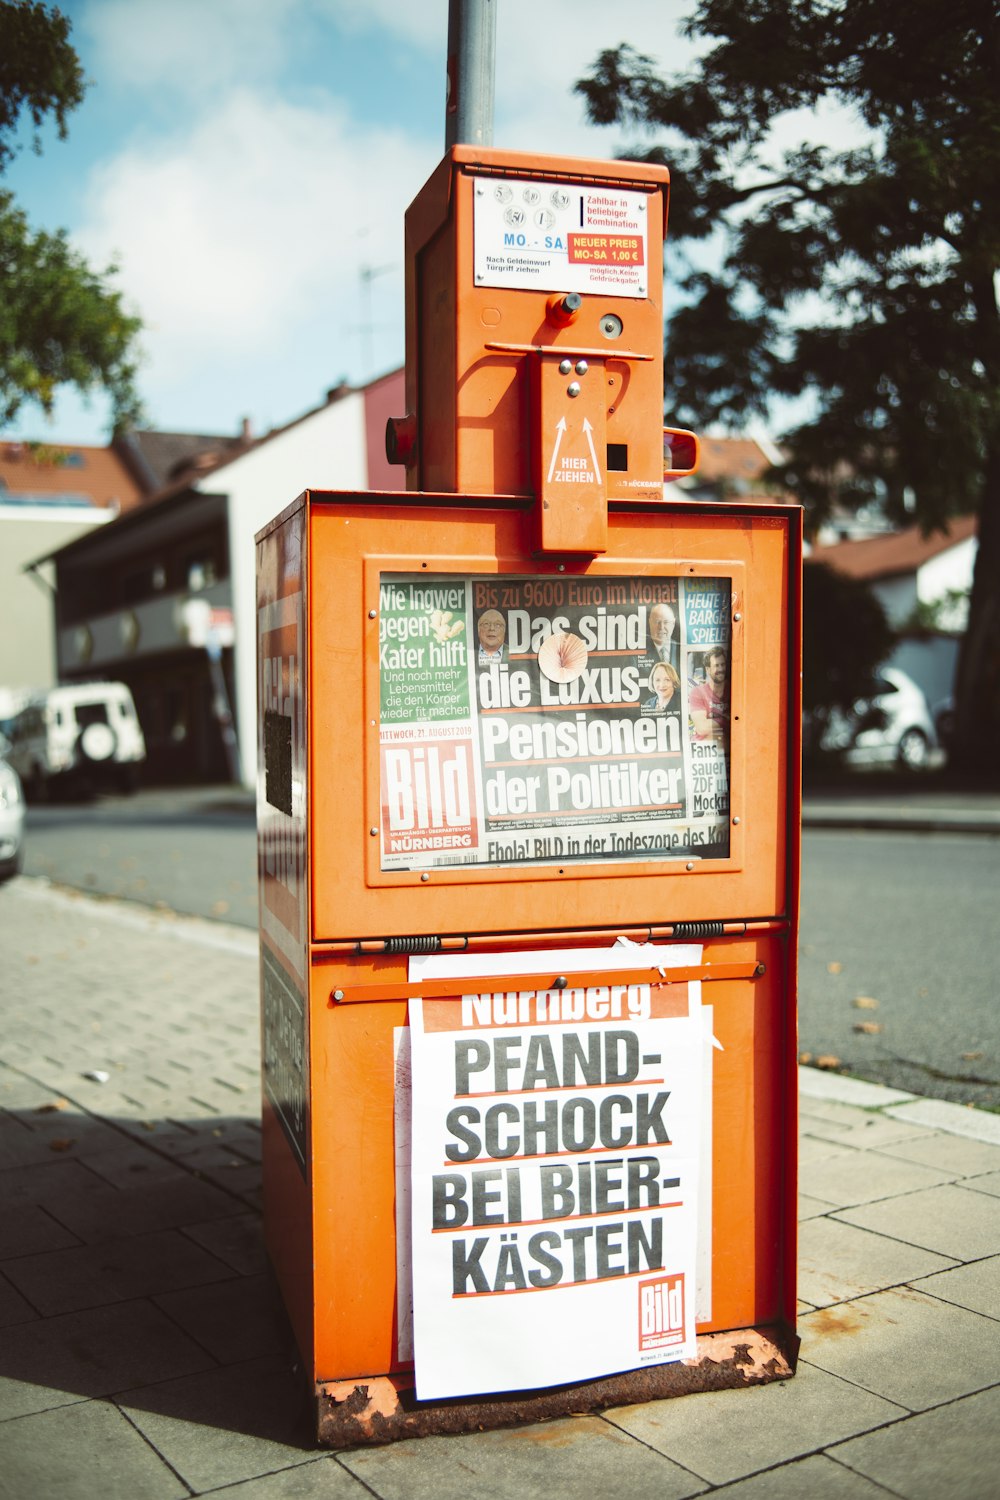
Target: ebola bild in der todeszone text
<point>529,721</point>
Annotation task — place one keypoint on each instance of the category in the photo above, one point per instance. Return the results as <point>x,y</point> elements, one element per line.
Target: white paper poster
<point>561,237</point>
<point>555,1149</point>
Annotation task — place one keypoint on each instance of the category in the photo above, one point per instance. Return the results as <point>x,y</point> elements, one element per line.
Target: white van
<point>87,733</point>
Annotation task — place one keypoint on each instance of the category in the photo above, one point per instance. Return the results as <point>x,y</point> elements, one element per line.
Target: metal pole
<point>472,30</point>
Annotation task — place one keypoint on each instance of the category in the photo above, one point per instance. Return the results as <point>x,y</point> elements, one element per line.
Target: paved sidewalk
<point>143,1354</point>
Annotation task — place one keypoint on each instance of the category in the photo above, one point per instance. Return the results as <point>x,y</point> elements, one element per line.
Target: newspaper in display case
<point>532,721</point>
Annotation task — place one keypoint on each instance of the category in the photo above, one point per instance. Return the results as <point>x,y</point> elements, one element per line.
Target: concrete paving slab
<point>581,1455</point>
<point>989,1183</point>
<point>56,1182</point>
<point>116,1270</point>
<point>21,1147</point>
<point>51,1361</point>
<point>868,1133</point>
<point>226,1425</point>
<point>870,1178</point>
<point>904,1346</point>
<point>102,1213</point>
<point>81,1451</point>
<point>820,1148</point>
<point>235,1321</point>
<point>238,1241</point>
<point>949,1220</point>
<point>818,1477</point>
<point>13,1307</point>
<point>976,1286</point>
<point>954,1450</point>
<point>763,1425</point>
<point>323,1479</point>
<point>128,1164</point>
<point>812,1208</point>
<point>18,1092</point>
<point>28,1230</point>
<point>838,1262</point>
<point>956,1154</point>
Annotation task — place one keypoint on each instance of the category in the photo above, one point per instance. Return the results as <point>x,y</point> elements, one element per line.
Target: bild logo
<point>661,1312</point>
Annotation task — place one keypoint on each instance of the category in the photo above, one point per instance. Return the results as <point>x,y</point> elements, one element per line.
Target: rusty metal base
<point>384,1408</point>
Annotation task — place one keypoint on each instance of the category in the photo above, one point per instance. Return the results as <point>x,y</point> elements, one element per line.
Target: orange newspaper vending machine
<point>528,837</point>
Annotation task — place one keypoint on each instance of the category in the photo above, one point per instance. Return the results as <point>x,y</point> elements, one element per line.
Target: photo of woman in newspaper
<point>665,683</point>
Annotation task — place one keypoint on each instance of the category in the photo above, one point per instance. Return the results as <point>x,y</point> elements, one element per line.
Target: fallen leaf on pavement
<point>868,1028</point>
<point>62,1143</point>
<point>971,1056</point>
<point>805,1057</point>
<point>864,1002</point>
<point>828,1060</point>
<point>834,968</point>
<point>48,1109</point>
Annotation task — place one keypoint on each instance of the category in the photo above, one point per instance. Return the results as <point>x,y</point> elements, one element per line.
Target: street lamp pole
<point>472,26</point>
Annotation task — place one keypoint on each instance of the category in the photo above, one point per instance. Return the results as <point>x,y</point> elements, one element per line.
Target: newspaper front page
<point>532,721</point>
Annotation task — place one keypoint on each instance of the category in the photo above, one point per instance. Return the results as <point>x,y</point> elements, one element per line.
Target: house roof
<point>733,458</point>
<point>875,557</point>
<point>183,491</point>
<point>60,471</point>
<point>159,458</point>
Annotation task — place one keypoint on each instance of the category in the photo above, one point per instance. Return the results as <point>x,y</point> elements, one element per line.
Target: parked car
<point>11,821</point>
<point>86,733</point>
<point>890,725</point>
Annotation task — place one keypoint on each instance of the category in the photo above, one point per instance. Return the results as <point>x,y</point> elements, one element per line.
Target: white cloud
<point>188,47</point>
<point>423,23</point>
<point>242,207</point>
<point>245,237</point>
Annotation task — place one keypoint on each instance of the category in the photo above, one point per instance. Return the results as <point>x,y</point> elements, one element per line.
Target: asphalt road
<point>905,923</point>
<point>193,852</point>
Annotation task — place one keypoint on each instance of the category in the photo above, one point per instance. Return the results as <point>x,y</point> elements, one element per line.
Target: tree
<point>863,276</point>
<point>61,322</point>
<point>845,637</point>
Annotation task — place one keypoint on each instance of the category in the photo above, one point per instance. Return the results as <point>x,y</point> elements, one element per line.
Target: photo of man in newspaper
<point>708,701</point>
<point>492,630</point>
<point>662,627</point>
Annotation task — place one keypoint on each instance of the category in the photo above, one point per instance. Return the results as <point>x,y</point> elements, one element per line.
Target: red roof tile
<point>50,470</point>
<point>899,552</point>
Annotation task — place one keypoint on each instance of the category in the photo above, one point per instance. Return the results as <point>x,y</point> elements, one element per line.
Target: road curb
<point>915,1109</point>
<point>902,822</point>
<point>158,921</point>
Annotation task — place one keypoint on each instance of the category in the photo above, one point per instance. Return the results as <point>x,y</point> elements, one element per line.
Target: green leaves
<point>860,273</point>
<point>39,70</point>
<point>61,322</point>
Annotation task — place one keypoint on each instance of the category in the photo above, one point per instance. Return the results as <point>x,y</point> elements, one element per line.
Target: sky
<point>247,165</point>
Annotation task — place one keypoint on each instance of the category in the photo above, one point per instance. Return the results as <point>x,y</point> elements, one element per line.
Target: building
<point>923,584</point>
<point>50,494</point>
<point>733,468</point>
<point>134,602</point>
<point>911,574</point>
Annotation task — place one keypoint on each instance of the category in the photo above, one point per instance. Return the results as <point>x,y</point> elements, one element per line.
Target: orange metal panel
<point>355,539</point>
<point>470,346</point>
<point>354,1245</point>
<point>353,1238</point>
<point>569,454</point>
